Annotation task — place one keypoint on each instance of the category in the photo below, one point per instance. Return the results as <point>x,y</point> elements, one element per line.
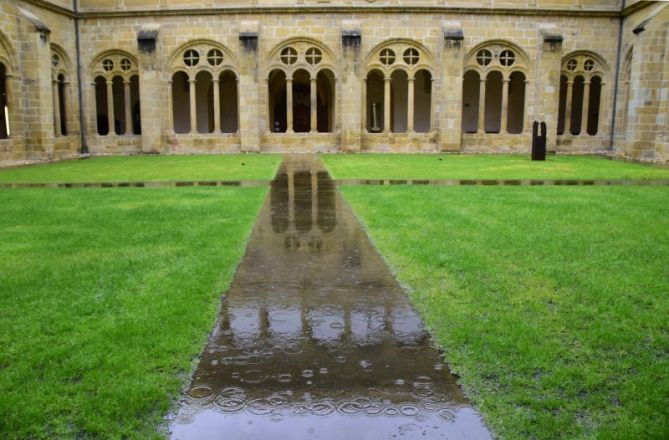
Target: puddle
<point>315,337</point>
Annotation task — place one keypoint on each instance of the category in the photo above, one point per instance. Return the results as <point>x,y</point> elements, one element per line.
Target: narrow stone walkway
<point>316,339</point>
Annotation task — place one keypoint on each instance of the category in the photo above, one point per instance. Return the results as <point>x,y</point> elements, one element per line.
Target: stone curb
<point>166,184</point>
<point>507,182</point>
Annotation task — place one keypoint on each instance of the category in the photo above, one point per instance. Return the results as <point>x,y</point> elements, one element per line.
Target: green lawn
<point>107,296</point>
<point>148,168</point>
<point>484,166</point>
<point>552,303</point>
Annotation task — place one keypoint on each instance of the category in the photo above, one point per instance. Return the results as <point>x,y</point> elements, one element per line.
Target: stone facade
<point>216,76</point>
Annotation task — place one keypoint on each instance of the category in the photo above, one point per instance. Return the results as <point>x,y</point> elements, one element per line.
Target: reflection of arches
<point>279,203</point>
<point>581,81</point>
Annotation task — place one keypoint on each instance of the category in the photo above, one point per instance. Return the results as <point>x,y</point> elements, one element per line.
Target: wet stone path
<point>315,337</point>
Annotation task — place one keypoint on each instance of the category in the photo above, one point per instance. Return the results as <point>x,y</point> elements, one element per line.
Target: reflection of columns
<point>567,107</point>
<point>410,104</point>
<point>217,105</point>
<point>193,110</point>
<point>291,197</point>
<point>586,107</point>
<point>110,107</point>
<point>56,108</point>
<point>289,105</point>
<point>128,114</point>
<point>314,197</point>
<point>170,109</point>
<point>505,104</point>
<point>481,128</point>
<point>313,106</point>
<point>386,104</point>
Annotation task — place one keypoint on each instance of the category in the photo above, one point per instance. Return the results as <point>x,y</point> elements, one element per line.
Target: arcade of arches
<point>280,76</point>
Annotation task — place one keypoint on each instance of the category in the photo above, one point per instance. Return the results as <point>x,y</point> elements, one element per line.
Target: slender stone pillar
<point>386,104</point>
<point>289,105</point>
<point>505,105</point>
<point>128,112</point>
<point>193,109</point>
<point>567,107</point>
<point>410,104</point>
<point>314,106</point>
<point>480,128</point>
<point>110,107</point>
<point>217,105</point>
<point>170,110</point>
<point>586,107</point>
<point>56,107</point>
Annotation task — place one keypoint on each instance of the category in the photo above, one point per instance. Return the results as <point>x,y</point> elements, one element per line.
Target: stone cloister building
<point>186,76</point>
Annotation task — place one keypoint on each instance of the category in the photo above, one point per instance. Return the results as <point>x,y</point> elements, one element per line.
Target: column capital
<point>215,80</point>
<point>387,79</point>
<point>191,81</point>
<point>411,79</point>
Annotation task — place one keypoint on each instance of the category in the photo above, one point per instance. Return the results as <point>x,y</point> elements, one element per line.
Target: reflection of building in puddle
<point>303,206</point>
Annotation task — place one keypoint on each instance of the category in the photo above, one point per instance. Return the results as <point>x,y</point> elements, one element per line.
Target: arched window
<point>399,88</point>
<point>493,89</point>
<point>203,93</point>
<point>60,74</point>
<point>301,87</point>
<point>4,116</point>
<point>581,84</point>
<point>116,88</point>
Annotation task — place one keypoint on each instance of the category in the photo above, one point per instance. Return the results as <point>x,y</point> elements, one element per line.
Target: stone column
<point>193,106</point>
<point>217,106</point>
<point>480,128</point>
<point>586,107</point>
<point>447,90</point>
<point>170,110</point>
<point>289,105</point>
<point>567,107</point>
<point>505,104</point>
<point>128,107</point>
<point>364,108</point>
<point>543,99</point>
<point>314,106</point>
<point>110,107</point>
<point>56,107</point>
<point>386,104</point>
<point>410,104</point>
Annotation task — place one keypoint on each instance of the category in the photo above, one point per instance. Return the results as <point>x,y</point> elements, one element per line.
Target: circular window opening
<point>483,57</point>
<point>288,56</point>
<point>191,58</point>
<point>55,60</point>
<point>214,57</point>
<point>387,57</point>
<point>108,65</point>
<point>571,65</point>
<point>125,64</point>
<point>507,58</point>
<point>411,56</point>
<point>314,55</point>
<point>589,65</point>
